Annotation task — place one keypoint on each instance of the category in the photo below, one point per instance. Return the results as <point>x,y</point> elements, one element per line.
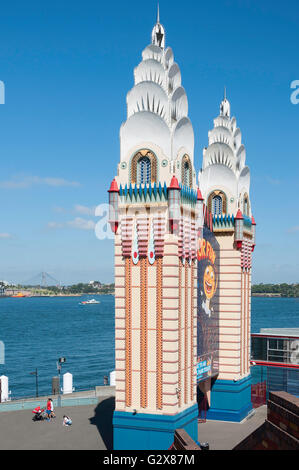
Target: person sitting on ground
<point>66,421</point>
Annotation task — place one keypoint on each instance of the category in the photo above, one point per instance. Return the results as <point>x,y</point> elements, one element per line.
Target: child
<point>66,421</point>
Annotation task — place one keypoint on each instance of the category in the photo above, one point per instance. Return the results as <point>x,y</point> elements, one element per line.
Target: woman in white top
<point>66,421</point>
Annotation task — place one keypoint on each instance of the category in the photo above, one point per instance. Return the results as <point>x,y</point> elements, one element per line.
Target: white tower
<point>224,167</point>
<point>154,215</point>
<point>224,181</point>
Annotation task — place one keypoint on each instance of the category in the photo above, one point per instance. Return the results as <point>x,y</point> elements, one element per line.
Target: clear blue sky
<point>67,67</point>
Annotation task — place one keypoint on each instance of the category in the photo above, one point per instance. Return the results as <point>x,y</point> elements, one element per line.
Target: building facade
<point>155,214</point>
<point>224,181</point>
<point>164,223</point>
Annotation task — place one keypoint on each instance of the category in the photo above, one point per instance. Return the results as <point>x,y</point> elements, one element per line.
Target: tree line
<point>285,290</point>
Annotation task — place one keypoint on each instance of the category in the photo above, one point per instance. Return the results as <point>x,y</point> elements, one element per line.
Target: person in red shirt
<point>49,409</point>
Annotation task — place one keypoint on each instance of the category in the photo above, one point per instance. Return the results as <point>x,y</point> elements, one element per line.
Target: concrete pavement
<point>223,435</point>
<point>91,429</point>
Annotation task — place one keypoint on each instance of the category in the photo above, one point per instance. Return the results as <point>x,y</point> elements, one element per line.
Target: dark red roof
<point>239,215</point>
<point>113,187</point>
<point>253,221</point>
<point>174,184</point>
<point>199,195</point>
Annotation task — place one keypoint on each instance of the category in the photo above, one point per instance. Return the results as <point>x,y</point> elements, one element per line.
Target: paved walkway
<point>90,429</point>
<point>223,435</point>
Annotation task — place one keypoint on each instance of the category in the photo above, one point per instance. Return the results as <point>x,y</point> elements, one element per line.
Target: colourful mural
<point>208,306</point>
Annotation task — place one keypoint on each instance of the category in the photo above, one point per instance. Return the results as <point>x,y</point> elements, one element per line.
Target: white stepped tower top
<point>223,166</point>
<point>157,107</point>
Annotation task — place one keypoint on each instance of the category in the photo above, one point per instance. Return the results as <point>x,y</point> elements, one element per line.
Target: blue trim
<point>149,431</point>
<point>230,401</point>
<point>247,220</point>
<point>215,414</point>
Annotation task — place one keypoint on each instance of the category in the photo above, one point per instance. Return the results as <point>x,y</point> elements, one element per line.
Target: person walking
<point>52,409</point>
<point>49,409</point>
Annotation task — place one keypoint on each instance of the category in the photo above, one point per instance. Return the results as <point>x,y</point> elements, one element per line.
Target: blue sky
<point>67,67</point>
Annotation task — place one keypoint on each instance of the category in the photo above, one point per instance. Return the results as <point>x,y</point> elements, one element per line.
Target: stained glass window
<point>144,170</point>
<point>186,174</point>
<point>217,205</point>
<point>246,206</point>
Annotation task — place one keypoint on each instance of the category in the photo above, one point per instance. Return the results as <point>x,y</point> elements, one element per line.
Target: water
<point>37,331</point>
<point>274,313</point>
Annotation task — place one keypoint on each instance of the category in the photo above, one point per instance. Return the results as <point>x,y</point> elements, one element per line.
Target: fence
<point>267,379</point>
<point>92,397</point>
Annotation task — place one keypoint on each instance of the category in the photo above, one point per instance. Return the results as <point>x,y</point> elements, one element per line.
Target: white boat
<point>89,302</point>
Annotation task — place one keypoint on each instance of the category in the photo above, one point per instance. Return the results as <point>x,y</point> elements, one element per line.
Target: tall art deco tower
<point>155,214</point>
<point>224,181</point>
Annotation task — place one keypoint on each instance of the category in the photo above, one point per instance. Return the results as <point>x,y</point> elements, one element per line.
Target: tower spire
<point>158,33</point>
<point>225,105</point>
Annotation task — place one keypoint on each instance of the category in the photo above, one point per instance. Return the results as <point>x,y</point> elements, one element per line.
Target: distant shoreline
<point>275,296</point>
<point>54,295</point>
<point>264,295</point>
<point>279,296</point>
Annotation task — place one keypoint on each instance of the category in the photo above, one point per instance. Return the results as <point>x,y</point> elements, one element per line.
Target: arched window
<point>217,205</point>
<point>186,171</point>
<point>144,167</point>
<point>246,205</point>
<point>143,170</point>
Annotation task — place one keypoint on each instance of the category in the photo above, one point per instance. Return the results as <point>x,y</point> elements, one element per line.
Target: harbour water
<point>37,331</point>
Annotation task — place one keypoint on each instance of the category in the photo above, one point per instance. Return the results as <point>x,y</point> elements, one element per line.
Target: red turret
<point>239,215</point>
<point>239,219</point>
<point>174,184</point>
<point>113,206</point>
<point>253,232</point>
<point>113,187</point>
<point>200,210</point>
<point>174,204</point>
<point>199,195</point>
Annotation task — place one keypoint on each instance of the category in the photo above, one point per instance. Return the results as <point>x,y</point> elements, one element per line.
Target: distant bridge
<point>42,279</point>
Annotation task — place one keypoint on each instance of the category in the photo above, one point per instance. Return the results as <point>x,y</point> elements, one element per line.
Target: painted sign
<point>203,370</point>
<point>208,306</point>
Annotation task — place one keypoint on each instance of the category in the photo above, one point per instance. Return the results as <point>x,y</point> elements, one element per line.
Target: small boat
<point>89,302</point>
<point>19,295</point>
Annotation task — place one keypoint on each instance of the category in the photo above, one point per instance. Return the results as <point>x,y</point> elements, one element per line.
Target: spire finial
<point>158,33</point>
<point>225,106</point>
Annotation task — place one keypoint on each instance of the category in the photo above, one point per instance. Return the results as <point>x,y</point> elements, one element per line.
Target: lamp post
<point>36,381</point>
<point>61,360</point>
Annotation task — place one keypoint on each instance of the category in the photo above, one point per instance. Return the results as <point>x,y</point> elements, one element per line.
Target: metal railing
<point>77,398</point>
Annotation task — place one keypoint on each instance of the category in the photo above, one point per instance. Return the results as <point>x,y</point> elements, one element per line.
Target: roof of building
<point>294,332</point>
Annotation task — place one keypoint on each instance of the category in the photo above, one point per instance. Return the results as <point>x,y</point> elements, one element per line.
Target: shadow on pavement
<point>103,420</point>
